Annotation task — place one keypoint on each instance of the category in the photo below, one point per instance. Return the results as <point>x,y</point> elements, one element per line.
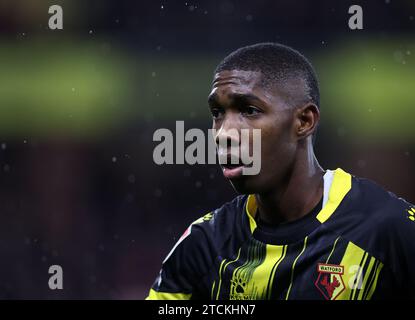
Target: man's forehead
<point>291,90</point>
<point>245,78</point>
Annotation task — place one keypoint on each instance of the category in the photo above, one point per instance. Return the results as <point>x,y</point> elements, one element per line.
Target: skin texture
<point>290,182</point>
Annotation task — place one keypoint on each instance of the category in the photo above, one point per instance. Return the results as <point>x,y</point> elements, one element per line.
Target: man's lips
<point>233,167</point>
<point>232,171</point>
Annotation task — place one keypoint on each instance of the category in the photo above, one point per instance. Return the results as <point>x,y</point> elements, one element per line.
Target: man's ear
<point>307,119</point>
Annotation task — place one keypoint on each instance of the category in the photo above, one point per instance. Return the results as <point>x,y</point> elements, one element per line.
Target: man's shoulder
<point>386,224</point>
<point>380,205</point>
<point>210,232</point>
<point>224,218</point>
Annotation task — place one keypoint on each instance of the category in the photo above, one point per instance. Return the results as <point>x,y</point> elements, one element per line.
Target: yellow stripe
<point>157,295</point>
<point>341,185</point>
<point>223,271</point>
<point>366,278</point>
<point>258,283</point>
<point>220,277</point>
<point>250,209</point>
<point>293,266</point>
<point>206,217</point>
<point>373,285</point>
<point>332,250</point>
<point>352,256</point>
<point>213,289</point>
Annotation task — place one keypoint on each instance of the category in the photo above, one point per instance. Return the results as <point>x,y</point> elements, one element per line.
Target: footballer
<point>296,231</point>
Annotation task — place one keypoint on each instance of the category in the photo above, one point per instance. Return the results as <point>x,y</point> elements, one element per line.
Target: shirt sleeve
<point>183,268</point>
<point>402,247</point>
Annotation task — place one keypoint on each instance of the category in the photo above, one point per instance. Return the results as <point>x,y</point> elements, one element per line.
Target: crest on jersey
<point>329,280</point>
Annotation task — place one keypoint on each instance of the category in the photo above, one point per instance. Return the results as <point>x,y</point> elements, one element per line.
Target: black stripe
<point>282,279</point>
<point>273,268</point>
<point>354,284</point>
<point>338,254</point>
<point>362,277</point>
<point>371,277</point>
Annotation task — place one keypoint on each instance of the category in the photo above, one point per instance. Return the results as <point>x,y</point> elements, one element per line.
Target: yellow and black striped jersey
<point>357,244</point>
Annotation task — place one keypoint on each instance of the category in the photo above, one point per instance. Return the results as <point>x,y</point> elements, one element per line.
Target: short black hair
<point>278,63</point>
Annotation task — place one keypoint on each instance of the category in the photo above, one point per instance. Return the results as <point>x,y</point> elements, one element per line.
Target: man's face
<point>238,100</point>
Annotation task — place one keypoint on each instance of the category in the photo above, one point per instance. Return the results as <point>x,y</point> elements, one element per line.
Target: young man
<point>297,231</point>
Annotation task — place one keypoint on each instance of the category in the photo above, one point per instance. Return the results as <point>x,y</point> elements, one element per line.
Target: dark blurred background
<point>79,106</point>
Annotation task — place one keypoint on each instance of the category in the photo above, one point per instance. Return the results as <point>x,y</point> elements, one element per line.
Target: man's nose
<point>228,133</point>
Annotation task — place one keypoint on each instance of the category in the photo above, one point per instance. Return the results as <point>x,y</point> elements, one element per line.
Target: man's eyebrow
<point>236,98</point>
<point>240,98</point>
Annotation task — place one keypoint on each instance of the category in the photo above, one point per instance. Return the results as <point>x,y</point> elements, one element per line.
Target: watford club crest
<point>329,280</point>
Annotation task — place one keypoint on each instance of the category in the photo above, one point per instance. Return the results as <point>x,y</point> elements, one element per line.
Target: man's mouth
<point>233,167</point>
<point>232,171</point>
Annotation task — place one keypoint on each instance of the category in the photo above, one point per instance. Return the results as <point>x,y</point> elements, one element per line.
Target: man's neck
<point>295,197</point>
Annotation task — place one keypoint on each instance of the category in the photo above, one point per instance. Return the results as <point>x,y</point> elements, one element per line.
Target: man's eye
<point>250,110</point>
<point>216,112</point>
